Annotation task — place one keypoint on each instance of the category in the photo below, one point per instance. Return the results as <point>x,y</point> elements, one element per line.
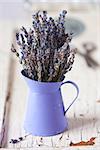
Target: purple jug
<point>45,113</point>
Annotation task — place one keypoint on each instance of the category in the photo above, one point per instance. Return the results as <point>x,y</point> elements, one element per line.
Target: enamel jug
<point>45,112</point>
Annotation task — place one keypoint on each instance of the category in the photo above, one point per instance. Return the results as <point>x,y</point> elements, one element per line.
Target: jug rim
<point>36,81</point>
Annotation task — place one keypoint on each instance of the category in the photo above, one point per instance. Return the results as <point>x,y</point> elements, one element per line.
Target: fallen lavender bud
<point>14,141</point>
<point>20,138</point>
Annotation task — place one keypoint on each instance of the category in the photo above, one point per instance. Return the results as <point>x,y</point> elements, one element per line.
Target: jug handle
<point>77,89</point>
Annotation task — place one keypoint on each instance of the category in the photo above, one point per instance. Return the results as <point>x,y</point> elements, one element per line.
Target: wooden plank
<point>4,65</point>
<point>4,129</point>
<point>7,67</point>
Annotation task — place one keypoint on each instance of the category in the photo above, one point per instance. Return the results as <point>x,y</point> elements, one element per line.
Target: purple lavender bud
<point>17,36</point>
<point>25,32</point>
<point>22,37</point>
<point>17,54</point>
<point>13,49</point>
<point>44,12</point>
<point>64,12</point>
<point>50,18</point>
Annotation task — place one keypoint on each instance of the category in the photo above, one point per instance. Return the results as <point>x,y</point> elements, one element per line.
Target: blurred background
<point>83,19</point>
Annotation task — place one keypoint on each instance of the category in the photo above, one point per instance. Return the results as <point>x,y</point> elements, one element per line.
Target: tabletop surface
<point>83,116</point>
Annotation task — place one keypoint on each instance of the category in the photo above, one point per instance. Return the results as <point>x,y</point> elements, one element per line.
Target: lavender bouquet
<point>44,49</point>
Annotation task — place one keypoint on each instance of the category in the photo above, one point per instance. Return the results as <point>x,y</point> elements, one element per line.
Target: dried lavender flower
<point>44,50</point>
<point>24,31</point>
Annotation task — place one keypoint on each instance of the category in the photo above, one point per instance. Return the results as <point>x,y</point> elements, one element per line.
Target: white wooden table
<point>83,117</point>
